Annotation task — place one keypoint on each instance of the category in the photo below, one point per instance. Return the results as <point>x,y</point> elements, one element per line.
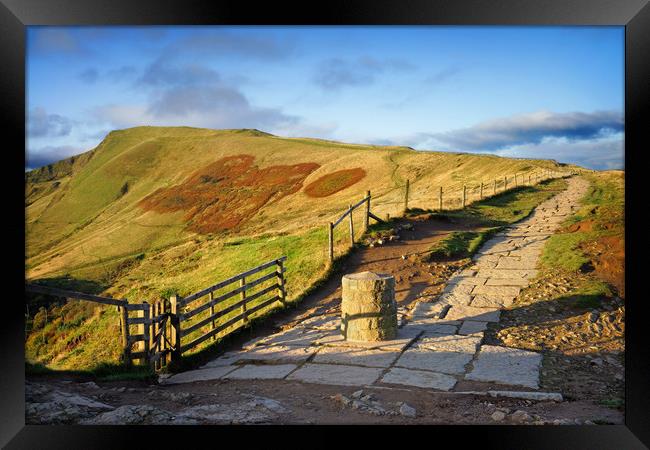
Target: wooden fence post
<point>331,241</point>
<point>351,226</point>
<point>505,183</point>
<point>242,295</point>
<point>515,180</point>
<point>175,329</point>
<point>281,287</point>
<point>481,191</point>
<point>464,195</point>
<point>406,196</point>
<point>494,187</point>
<point>213,325</point>
<point>366,216</point>
<point>146,313</point>
<point>529,175</point>
<point>440,199</point>
<point>126,346</point>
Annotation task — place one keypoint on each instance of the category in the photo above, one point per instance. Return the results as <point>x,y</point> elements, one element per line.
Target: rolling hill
<point>153,210</point>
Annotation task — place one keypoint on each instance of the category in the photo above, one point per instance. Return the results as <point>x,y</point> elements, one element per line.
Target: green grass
<point>460,244</point>
<point>505,208</point>
<point>603,205</point>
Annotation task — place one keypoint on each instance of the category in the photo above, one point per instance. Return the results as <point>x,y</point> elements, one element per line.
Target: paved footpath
<point>439,343</point>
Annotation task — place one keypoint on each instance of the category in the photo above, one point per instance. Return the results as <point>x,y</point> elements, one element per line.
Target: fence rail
<point>162,324</point>
<point>458,196</point>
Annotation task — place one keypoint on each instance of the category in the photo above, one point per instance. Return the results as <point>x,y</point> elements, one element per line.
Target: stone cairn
<point>368,307</point>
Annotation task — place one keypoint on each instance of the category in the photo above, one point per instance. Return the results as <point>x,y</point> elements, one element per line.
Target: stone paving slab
<point>424,309</point>
<point>473,313</point>
<point>472,327</point>
<point>261,372</point>
<point>226,359</point>
<point>507,273</point>
<point>505,365</point>
<point>212,373</point>
<point>324,323</point>
<point>458,289</point>
<point>405,336</point>
<point>444,362</point>
<point>454,298</point>
<point>440,326</point>
<point>419,378</point>
<point>505,291</point>
<point>449,343</point>
<point>459,280</point>
<point>356,356</point>
<point>492,301</point>
<point>297,336</point>
<point>509,262</point>
<point>278,354</point>
<point>521,282</point>
<point>336,374</point>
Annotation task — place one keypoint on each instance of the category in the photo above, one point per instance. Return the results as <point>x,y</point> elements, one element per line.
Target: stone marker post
<point>368,307</point>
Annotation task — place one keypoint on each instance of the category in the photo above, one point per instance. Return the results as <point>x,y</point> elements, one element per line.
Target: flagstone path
<point>439,343</point>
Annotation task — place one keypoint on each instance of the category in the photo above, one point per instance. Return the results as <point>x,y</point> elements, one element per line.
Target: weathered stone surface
<point>324,322</point>
<point>473,313</point>
<point>444,362</point>
<point>537,396</point>
<point>472,327</point>
<point>407,410</point>
<point>458,289</point>
<point>441,326</point>
<point>212,373</point>
<point>261,372</point>
<point>279,354</point>
<point>507,273</point>
<point>368,307</point>
<point>297,336</point>
<point>356,357</point>
<point>138,415</point>
<point>405,336</point>
<point>492,301</point>
<point>336,374</point>
<point>460,280</point>
<point>226,359</point>
<point>46,406</point>
<point>506,291</point>
<point>423,309</point>
<point>447,343</point>
<point>507,282</point>
<point>419,378</point>
<point>508,262</point>
<point>506,366</point>
<point>454,298</point>
<point>255,410</point>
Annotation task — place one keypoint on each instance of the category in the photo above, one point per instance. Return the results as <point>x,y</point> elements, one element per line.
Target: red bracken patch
<point>334,182</point>
<point>225,194</point>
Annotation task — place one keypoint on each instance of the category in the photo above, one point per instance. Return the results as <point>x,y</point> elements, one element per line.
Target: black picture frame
<point>15,15</point>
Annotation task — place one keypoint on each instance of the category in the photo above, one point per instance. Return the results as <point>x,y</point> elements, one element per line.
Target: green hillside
<point>152,210</point>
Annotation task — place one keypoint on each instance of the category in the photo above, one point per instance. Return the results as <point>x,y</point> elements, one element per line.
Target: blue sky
<point>542,92</point>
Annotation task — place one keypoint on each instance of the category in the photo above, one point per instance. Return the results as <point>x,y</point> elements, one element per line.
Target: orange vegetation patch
<point>228,192</point>
<point>334,182</point>
<point>607,255</point>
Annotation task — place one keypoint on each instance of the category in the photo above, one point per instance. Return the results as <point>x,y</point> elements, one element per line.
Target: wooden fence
<point>457,197</point>
<point>160,327</point>
<point>460,195</point>
<point>348,213</point>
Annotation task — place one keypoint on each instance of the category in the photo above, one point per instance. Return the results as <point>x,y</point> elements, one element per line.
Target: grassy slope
<point>603,205</point>
<point>494,213</point>
<point>86,229</point>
